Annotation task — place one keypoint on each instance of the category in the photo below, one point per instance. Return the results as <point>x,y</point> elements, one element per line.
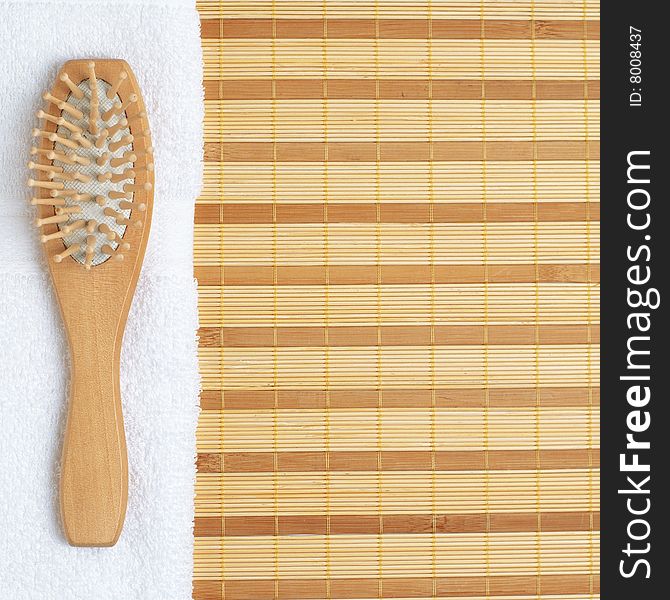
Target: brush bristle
<point>86,163</point>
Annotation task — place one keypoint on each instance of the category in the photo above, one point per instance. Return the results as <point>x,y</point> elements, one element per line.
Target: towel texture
<point>159,380</point>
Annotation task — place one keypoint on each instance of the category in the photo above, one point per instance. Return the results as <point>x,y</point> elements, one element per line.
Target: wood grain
<point>404,152</point>
<point>362,28</point>
<point>399,89</point>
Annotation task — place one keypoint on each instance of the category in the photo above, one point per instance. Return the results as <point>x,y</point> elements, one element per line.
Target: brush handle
<point>94,476</point>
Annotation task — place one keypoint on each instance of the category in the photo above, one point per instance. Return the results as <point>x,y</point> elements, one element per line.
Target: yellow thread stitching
<point>589,341</point>
<point>326,258</point>
<point>538,536</point>
<point>378,250</point>
<point>222,307</point>
<point>275,358</point>
<point>431,208</point>
<point>487,535</point>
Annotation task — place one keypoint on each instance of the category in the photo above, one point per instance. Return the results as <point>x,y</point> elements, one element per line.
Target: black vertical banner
<point>635,263</point>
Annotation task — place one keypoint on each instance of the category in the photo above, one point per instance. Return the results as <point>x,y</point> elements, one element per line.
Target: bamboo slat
<point>304,430</point>
<point>353,183</point>
<point>400,59</point>
<point>304,306</point>
<point>405,9</point>
<point>397,249</point>
<point>408,493</point>
<point>357,120</point>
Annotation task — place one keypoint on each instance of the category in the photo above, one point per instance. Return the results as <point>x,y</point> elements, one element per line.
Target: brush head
<point>92,166</point>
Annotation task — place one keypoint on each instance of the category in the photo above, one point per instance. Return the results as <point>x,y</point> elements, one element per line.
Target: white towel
<point>159,380</point>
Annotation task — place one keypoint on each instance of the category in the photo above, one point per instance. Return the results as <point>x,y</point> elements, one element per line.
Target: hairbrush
<point>92,185</point>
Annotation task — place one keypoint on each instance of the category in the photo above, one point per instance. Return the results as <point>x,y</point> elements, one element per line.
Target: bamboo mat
<point>397,250</point>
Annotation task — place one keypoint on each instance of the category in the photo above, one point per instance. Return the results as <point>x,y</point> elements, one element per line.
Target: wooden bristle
<point>74,226</point>
<point>114,129</point>
<point>54,137</point>
<point>47,117</point>
<point>80,159</point>
<point>82,177</point>
<point>47,201</point>
<point>119,107</point>
<point>47,185</point>
<point>76,92</point>
<point>68,210</point>
<point>64,193</point>
<point>128,157</point>
<point>93,120</point>
<point>71,126</point>
<point>119,195</point>
<point>40,133</point>
<point>102,177</point>
<point>106,116</point>
<point>76,176</point>
<point>90,251</point>
<point>47,168</point>
<point>124,204</point>
<point>78,137</point>
<point>133,187</point>
<point>82,197</point>
<point>128,174</point>
<point>75,112</point>
<point>106,230</point>
<point>49,98</point>
<point>58,121</point>
<point>107,249</point>
<point>52,219</point>
<point>102,159</point>
<point>112,91</point>
<point>65,253</point>
<point>92,78</point>
<point>51,155</point>
<point>119,218</point>
<point>68,108</point>
<point>124,141</point>
<point>52,236</point>
<point>69,159</point>
<point>95,102</point>
<point>110,212</point>
<point>102,139</point>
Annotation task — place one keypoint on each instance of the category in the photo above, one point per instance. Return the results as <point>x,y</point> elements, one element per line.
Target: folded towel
<point>159,379</point>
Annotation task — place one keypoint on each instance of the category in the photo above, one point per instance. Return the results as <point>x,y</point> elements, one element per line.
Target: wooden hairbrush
<point>93,189</point>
